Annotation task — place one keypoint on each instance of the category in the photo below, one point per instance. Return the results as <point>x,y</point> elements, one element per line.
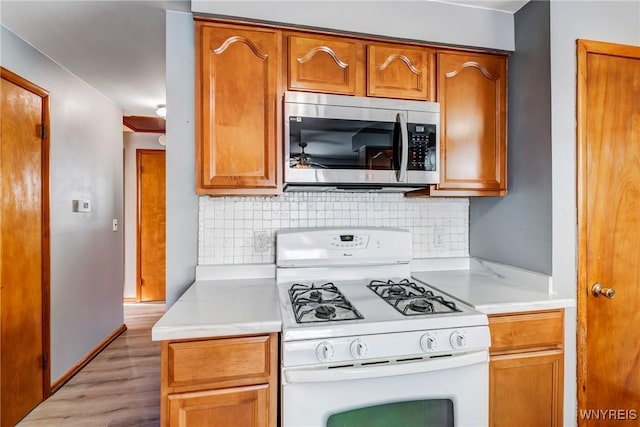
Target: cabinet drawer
<point>524,331</point>
<point>219,363</point>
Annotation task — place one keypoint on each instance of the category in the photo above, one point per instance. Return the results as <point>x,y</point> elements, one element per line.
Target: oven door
<point>330,144</point>
<point>441,392</point>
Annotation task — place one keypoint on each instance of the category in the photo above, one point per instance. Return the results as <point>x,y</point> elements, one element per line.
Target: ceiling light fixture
<point>162,111</point>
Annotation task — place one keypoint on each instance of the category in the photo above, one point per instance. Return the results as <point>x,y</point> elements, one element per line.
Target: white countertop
<point>493,288</point>
<point>229,305</point>
<point>217,308</point>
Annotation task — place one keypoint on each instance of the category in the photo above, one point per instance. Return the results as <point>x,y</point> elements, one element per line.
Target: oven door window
<point>321,143</point>
<point>417,413</point>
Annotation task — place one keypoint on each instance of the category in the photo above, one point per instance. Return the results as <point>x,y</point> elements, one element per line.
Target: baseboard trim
<point>55,386</point>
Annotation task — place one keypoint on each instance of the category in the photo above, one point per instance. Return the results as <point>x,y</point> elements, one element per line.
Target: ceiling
<point>118,47</point>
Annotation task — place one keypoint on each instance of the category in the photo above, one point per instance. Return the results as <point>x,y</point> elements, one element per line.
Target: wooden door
<point>151,225</point>
<point>231,407</point>
<point>396,71</point>
<point>326,64</point>
<point>472,91</point>
<point>609,233</point>
<point>24,376</point>
<point>238,141</point>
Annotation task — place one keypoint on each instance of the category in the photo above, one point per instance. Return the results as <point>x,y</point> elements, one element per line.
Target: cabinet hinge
<point>45,360</point>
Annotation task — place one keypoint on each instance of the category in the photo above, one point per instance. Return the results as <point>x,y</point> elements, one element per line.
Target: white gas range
<point>363,344</point>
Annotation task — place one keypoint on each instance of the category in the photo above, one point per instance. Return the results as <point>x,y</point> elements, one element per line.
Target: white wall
<point>86,163</point>
<point>610,21</point>
<point>132,142</point>
<point>414,20</point>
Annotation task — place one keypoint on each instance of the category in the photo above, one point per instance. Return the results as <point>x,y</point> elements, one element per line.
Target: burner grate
<point>323,303</point>
<point>411,299</point>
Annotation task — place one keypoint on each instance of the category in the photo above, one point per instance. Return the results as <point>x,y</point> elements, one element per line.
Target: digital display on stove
<point>346,237</point>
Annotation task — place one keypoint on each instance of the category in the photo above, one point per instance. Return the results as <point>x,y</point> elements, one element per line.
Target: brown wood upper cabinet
<point>397,71</point>
<point>472,91</point>
<point>326,64</point>
<point>238,74</point>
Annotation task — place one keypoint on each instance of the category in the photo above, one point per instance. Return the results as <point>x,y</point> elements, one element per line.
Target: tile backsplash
<point>228,226</point>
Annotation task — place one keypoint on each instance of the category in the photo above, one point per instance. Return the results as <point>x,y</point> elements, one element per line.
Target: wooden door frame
<point>584,48</point>
<point>46,240</point>
<point>139,153</point>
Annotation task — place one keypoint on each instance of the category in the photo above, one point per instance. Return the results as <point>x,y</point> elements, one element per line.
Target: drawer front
<point>524,331</point>
<point>225,361</point>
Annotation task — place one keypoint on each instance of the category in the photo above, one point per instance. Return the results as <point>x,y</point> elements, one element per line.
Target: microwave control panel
<point>422,147</point>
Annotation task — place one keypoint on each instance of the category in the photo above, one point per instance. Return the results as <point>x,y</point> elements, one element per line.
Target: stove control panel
<point>350,241</point>
<point>399,345</point>
<point>357,246</point>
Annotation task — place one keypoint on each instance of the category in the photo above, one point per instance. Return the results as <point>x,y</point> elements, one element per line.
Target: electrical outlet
<point>438,238</point>
<point>260,241</point>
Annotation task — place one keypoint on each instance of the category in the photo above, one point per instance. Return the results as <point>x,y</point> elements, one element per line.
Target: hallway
<point>119,388</point>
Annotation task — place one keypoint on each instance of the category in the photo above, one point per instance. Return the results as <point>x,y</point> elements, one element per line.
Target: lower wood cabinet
<point>526,369</point>
<point>229,407</point>
<point>223,382</point>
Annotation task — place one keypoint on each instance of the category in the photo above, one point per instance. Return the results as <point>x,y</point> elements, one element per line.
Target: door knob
<point>598,290</point>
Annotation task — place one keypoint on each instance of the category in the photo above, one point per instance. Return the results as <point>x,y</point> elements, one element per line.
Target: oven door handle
<point>393,368</point>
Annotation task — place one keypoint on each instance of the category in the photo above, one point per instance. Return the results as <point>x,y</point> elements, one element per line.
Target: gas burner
<point>421,305</point>
<point>397,291</point>
<point>325,312</point>
<point>410,298</point>
<point>323,303</point>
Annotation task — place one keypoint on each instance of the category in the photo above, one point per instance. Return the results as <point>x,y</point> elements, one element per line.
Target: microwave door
<point>327,144</point>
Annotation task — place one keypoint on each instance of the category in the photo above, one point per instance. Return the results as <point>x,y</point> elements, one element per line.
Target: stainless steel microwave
<point>338,142</point>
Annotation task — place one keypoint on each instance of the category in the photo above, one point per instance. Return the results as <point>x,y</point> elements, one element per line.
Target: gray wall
<point>522,219</point>
<point>182,202</point>
<point>132,142</point>
<point>86,162</point>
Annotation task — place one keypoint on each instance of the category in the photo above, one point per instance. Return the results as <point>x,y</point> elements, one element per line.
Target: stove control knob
<point>359,349</point>
<point>428,343</point>
<point>458,340</point>
<point>324,352</point>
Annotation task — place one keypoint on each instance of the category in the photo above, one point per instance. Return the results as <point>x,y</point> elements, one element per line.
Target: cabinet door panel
<point>472,95</point>
<point>514,332</point>
<point>219,361</point>
<point>237,81</point>
<point>526,389</point>
<point>396,71</point>
<point>234,407</point>
<point>325,64</point>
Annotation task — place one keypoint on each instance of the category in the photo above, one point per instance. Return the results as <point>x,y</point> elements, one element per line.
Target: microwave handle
<point>401,174</point>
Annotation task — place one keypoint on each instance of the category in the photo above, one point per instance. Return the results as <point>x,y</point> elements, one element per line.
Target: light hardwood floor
<point>119,388</point>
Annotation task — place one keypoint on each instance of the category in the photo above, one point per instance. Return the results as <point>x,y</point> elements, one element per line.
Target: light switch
<point>115,224</point>
<point>82,205</point>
